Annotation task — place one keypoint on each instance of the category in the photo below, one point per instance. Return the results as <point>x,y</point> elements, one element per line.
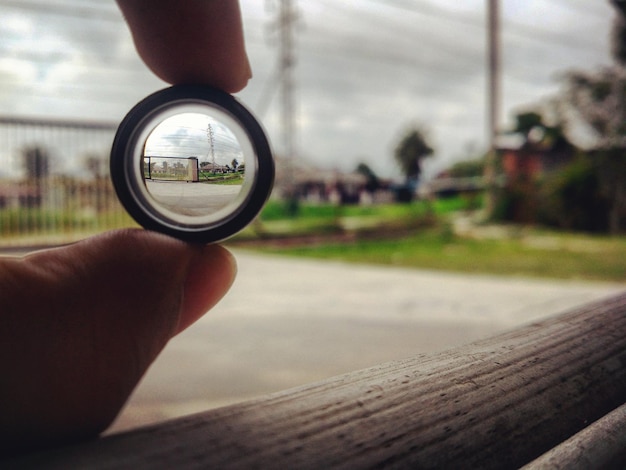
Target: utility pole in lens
<point>210,138</point>
<point>493,98</point>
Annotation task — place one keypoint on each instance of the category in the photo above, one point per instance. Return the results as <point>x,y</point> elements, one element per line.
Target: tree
<point>179,168</point>
<point>372,183</point>
<point>234,164</point>
<point>410,152</point>
<point>36,163</point>
<point>526,122</point>
<point>533,128</point>
<point>468,168</point>
<point>619,32</point>
<point>598,99</point>
<point>95,165</point>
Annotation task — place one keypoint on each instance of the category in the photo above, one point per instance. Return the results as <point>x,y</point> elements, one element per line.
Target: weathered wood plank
<point>600,445</point>
<point>496,403</point>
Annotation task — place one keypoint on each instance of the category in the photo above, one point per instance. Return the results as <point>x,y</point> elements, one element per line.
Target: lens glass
<point>193,164</point>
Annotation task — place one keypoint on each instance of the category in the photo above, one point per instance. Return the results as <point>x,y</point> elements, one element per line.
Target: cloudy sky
<point>185,135</point>
<point>365,70</point>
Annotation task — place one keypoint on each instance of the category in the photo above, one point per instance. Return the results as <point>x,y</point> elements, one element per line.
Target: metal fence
<point>54,181</point>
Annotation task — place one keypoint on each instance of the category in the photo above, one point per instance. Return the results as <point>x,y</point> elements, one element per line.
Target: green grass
<point>410,235</point>
<point>279,210</point>
<point>418,236</point>
<point>570,257</point>
<point>223,179</point>
<point>18,222</point>
<point>321,220</point>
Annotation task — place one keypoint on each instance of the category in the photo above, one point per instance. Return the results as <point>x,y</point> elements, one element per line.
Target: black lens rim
<point>124,139</point>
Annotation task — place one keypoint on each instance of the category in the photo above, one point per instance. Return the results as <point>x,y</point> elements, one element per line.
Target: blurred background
<point>444,171</point>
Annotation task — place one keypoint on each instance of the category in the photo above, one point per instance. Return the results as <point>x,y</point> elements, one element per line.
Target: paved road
<point>288,321</point>
<point>192,198</point>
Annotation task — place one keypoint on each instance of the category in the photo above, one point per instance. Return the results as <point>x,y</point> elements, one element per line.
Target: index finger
<point>192,42</point>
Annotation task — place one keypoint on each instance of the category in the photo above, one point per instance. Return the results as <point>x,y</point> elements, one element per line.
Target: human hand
<point>196,41</point>
<point>81,324</point>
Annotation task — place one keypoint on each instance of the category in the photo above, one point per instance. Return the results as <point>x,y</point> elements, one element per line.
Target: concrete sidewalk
<point>288,322</point>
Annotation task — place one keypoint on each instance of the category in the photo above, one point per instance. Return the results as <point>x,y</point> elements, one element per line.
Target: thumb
<point>81,324</point>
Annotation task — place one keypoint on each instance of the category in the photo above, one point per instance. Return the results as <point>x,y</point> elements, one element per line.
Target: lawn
<point>516,251</point>
<point>233,178</point>
<point>593,259</point>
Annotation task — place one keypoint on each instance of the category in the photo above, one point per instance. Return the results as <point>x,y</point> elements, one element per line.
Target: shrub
<point>571,198</point>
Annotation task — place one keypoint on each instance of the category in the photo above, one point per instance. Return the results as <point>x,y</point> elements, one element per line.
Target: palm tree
<point>410,152</point>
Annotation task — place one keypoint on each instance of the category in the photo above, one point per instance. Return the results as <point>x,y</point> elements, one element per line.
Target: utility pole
<point>211,139</point>
<point>493,98</point>
<point>286,19</point>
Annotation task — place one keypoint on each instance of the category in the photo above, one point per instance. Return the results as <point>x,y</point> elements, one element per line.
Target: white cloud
<point>365,69</point>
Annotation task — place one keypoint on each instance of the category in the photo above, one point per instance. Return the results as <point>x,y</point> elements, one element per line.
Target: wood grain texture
<point>496,403</point>
<point>602,444</point>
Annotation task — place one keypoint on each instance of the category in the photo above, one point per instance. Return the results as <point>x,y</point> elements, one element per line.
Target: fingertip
<point>210,275</point>
<point>196,42</point>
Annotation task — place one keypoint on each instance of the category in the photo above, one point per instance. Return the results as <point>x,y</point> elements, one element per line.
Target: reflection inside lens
<point>193,164</point>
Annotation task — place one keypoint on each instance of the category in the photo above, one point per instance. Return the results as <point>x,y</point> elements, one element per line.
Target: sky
<point>366,71</point>
<point>187,134</point>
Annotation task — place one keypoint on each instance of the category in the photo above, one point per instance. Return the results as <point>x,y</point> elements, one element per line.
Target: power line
<point>433,11</point>
<point>73,10</point>
<point>521,30</point>
<point>337,48</point>
<point>371,49</point>
<point>580,7</point>
<point>363,48</point>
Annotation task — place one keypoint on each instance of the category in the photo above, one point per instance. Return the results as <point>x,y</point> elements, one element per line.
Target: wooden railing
<point>551,391</point>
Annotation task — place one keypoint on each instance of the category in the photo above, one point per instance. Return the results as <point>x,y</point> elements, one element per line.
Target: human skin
<point>81,324</point>
<point>196,41</point>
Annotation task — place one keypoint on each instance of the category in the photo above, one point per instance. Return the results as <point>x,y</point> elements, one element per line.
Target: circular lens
<point>192,162</point>
<point>193,148</point>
